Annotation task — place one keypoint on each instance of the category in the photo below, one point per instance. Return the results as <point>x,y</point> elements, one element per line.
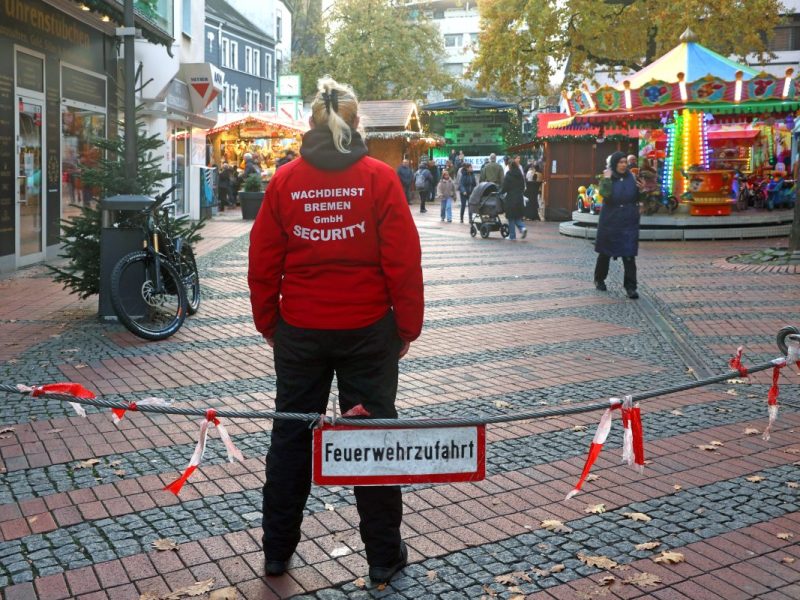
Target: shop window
<point>78,128</point>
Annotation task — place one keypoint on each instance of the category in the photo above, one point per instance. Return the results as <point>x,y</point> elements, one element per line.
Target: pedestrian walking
<point>466,184</point>
<point>514,203</point>
<point>618,226</point>
<point>224,190</point>
<point>287,158</point>
<point>445,192</point>
<point>344,299</point>
<point>423,181</point>
<point>533,183</point>
<point>406,176</point>
<point>492,171</point>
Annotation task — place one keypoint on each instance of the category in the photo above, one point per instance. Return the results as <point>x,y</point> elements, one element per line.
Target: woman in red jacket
<point>336,287</point>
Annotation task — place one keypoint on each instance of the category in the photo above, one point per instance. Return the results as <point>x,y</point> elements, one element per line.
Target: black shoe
<point>423,210</point>
<point>524,233</point>
<point>632,294</point>
<point>274,568</point>
<point>382,575</point>
<point>601,285</point>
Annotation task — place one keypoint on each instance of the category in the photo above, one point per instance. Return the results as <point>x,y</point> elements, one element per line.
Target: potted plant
<point>251,195</point>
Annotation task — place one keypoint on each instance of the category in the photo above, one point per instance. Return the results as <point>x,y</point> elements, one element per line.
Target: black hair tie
<point>331,101</point>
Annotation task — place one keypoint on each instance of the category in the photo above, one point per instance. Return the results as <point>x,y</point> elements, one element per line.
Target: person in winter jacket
<point>492,171</point>
<point>406,176</point>
<point>445,192</point>
<point>514,203</point>
<point>466,184</point>
<point>618,227</point>
<point>250,166</point>
<point>336,288</point>
<point>423,181</point>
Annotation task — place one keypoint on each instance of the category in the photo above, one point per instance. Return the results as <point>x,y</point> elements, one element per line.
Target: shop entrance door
<point>29,189</point>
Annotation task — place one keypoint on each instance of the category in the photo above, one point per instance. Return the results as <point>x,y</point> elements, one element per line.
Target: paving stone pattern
<point>510,326</point>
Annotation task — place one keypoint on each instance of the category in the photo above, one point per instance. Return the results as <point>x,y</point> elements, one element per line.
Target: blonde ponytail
<point>337,106</point>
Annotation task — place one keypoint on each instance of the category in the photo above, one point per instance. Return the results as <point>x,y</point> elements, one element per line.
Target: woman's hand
<point>607,174</point>
<point>404,349</point>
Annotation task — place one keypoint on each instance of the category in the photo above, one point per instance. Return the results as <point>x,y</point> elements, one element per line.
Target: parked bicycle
<point>152,290</point>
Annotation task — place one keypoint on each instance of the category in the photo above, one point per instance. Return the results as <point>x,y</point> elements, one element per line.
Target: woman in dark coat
<point>618,227</point>
<point>533,183</point>
<point>514,203</point>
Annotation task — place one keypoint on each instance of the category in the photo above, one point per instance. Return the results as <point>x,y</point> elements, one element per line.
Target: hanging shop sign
<point>205,83</point>
<point>347,455</point>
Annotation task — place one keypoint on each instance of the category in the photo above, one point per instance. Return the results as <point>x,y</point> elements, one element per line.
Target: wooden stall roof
<point>389,115</point>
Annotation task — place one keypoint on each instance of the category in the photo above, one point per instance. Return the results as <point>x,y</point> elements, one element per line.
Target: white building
<point>459,23</point>
<point>274,18</point>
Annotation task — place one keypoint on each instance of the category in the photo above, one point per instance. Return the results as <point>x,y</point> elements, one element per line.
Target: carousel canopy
<point>688,77</point>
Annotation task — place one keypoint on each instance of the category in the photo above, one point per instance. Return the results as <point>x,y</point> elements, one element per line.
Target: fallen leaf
<point>716,443</point>
<point>7,430</point>
<point>707,447</point>
<point>33,519</point>
<point>83,366</point>
<point>677,487</point>
<point>669,557</point>
<point>87,464</point>
<point>784,536</point>
<point>788,560</point>
<point>165,544</point>
<point>637,516</point>
<point>490,591</point>
<point>642,580</point>
<point>556,526</point>
<point>360,583</point>
<point>732,392</point>
<point>720,409</point>
<point>793,484</point>
<point>689,370</point>
<point>330,507</point>
<point>557,568</point>
<point>115,463</point>
<point>228,593</point>
<point>340,551</point>
<point>119,473</point>
<point>601,562</point>
<point>432,575</point>
<point>647,545</point>
<point>53,431</point>
<point>517,597</point>
<point>792,451</point>
<point>592,477</point>
<point>501,404</point>
<point>751,431</point>
<point>676,413</point>
<point>607,580</point>
<point>737,381</point>
<point>512,578</point>
<point>596,509</point>
<point>754,478</point>
<point>579,428</point>
<point>198,588</point>
<point>149,596</point>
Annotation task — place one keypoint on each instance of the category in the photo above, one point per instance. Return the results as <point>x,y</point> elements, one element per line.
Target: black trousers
<point>424,196</point>
<point>365,362</point>
<point>628,264</point>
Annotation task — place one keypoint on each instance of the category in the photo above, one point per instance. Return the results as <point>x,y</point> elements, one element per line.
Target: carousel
<point>714,145</point>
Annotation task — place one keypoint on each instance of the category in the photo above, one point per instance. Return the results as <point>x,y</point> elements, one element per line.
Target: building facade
<point>245,54</point>
<point>58,89</point>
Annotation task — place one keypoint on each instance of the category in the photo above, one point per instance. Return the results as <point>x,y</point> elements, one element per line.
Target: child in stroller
<point>485,208</point>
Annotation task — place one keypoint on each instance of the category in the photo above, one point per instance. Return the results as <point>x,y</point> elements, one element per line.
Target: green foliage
<point>253,183</point>
<point>524,42</point>
<point>383,48</point>
<point>80,235</point>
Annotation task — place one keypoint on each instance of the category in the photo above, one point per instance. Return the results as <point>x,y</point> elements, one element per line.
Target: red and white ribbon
<point>600,436</point>
<point>792,356</point>
<point>638,438</point>
<point>119,413</point>
<point>194,462</point>
<point>736,362</point>
<point>69,389</point>
<point>627,435</point>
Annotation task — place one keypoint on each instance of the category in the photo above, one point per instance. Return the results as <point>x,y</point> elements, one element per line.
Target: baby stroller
<point>485,208</point>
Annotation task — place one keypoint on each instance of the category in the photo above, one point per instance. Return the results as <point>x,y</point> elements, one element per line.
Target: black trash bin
<point>118,237</point>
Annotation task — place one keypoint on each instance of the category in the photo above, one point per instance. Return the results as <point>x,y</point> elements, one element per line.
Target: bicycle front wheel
<point>150,307</point>
<point>191,279</point>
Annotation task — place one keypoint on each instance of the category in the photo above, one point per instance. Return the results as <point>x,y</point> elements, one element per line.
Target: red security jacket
<point>335,249</point>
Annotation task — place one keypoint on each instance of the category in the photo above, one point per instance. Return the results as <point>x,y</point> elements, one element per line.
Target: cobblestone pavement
<point>510,326</point>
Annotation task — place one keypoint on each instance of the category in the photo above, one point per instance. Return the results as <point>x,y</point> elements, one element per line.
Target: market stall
<point>264,135</point>
<point>394,131</point>
<point>694,95</point>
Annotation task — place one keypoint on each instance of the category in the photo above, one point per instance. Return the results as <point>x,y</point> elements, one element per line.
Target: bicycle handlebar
<point>161,197</point>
